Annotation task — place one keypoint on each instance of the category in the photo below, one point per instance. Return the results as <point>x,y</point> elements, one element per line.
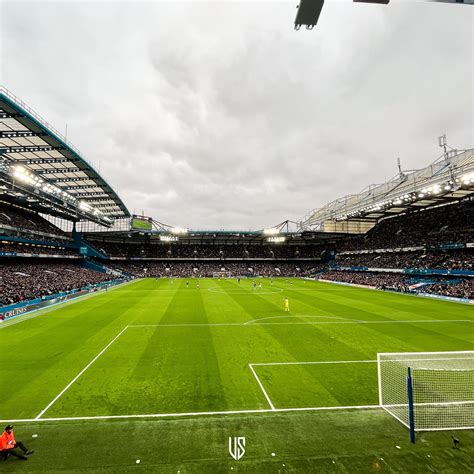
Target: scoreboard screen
<point>141,223</point>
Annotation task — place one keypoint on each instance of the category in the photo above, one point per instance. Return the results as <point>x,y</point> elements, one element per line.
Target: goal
<point>428,391</point>
<point>222,274</point>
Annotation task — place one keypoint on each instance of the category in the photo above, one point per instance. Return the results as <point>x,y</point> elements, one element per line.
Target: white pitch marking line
<point>303,323</point>
<point>80,373</point>
<point>357,361</point>
<point>301,316</point>
<point>189,414</point>
<point>261,386</point>
<point>182,325</point>
<point>317,362</point>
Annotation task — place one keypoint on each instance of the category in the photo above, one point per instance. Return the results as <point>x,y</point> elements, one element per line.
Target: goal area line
<point>456,428</point>
<point>193,414</point>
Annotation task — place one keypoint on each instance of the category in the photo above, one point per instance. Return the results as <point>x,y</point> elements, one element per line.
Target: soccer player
<point>254,284</point>
<point>187,284</point>
<point>8,445</point>
<point>286,304</point>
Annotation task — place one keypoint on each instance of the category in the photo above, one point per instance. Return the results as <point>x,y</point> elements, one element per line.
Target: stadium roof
<point>40,168</point>
<point>450,178</point>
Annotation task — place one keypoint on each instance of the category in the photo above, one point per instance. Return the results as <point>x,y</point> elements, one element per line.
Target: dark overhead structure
<point>40,169</point>
<point>308,13</point>
<point>309,10</point>
<point>384,2</point>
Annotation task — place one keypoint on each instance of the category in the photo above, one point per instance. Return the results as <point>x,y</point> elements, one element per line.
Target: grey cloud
<point>220,115</point>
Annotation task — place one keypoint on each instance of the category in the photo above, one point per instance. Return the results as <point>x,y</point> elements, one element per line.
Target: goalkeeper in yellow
<point>286,304</point>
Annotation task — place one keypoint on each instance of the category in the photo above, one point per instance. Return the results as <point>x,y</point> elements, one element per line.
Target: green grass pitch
<point>148,371</point>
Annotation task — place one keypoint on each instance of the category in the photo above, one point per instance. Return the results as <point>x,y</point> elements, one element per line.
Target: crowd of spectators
<point>28,220</point>
<point>23,247</point>
<point>393,281</point>
<point>460,288</point>
<point>442,225</point>
<point>208,269</point>
<point>35,279</point>
<point>452,259</point>
<point>203,251</point>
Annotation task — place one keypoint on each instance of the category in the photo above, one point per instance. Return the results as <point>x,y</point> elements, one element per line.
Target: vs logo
<point>237,447</point>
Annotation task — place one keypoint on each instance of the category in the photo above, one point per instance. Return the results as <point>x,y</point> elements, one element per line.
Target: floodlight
<point>276,240</point>
<point>272,231</point>
<point>84,206</point>
<point>179,230</point>
<point>168,238</point>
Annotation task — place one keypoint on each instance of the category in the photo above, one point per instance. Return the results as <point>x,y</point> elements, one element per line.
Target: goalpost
<point>428,391</point>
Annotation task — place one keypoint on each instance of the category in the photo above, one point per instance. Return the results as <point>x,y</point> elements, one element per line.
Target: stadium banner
<point>427,295</point>
<point>23,307</point>
<point>37,255</point>
<point>386,270</point>
<point>427,271</point>
<point>446,298</point>
<point>470,245</point>
<point>451,246</point>
<point>368,269</point>
<point>348,284</point>
<point>400,249</point>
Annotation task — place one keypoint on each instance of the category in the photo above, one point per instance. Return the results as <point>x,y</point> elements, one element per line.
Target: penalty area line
<point>195,414</point>
<point>263,389</point>
<point>79,374</point>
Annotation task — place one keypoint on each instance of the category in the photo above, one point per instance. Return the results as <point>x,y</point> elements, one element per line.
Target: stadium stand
<point>447,259</point>
<point>442,225</point>
<point>19,218</point>
<point>203,251</point>
<point>35,279</point>
<point>207,269</point>
<point>35,248</point>
<point>459,288</point>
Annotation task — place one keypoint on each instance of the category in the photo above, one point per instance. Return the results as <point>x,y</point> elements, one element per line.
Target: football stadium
<point>341,341</point>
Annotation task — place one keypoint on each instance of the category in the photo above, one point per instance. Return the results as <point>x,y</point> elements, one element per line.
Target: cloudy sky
<point>220,115</point>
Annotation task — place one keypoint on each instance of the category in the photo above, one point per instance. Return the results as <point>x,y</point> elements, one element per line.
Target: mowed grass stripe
<point>45,363</point>
<point>166,370</point>
<point>208,363</point>
<point>62,343</point>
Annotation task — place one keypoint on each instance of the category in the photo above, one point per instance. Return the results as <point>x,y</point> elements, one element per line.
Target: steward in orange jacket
<point>8,445</point>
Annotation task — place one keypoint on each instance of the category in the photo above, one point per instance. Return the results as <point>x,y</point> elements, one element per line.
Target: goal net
<point>222,274</point>
<point>441,386</point>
